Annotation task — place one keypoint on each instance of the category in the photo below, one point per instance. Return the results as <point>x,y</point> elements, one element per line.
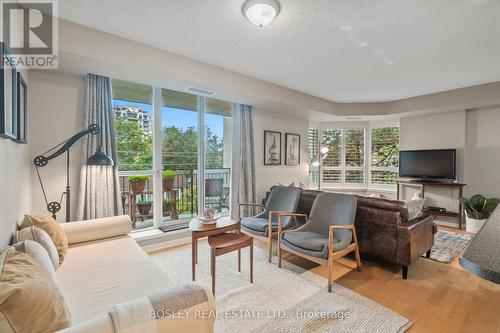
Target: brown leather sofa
<point>384,231</point>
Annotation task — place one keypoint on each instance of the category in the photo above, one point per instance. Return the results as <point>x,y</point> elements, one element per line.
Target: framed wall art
<point>272,148</point>
<point>8,95</point>
<point>292,149</point>
<point>22,109</point>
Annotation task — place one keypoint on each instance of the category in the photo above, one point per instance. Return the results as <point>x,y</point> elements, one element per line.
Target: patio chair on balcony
<point>215,194</point>
<point>264,226</point>
<point>329,234</point>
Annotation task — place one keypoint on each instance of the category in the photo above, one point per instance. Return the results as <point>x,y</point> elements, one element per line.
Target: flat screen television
<point>428,164</point>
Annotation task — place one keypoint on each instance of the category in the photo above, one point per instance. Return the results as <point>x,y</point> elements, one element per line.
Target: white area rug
<point>448,246</point>
<point>289,299</point>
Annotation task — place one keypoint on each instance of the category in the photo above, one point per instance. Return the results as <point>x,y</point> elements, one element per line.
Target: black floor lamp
<point>98,158</point>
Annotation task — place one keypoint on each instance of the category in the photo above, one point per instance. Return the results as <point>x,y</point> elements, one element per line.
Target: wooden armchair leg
<point>358,259</point>
<point>269,246</point>
<point>356,252</point>
<point>330,272</point>
<point>251,260</point>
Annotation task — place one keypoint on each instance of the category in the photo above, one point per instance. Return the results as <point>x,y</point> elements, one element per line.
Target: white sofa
<point>105,267</point>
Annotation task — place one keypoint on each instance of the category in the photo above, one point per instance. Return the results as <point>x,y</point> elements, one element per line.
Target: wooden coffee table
<point>200,230</point>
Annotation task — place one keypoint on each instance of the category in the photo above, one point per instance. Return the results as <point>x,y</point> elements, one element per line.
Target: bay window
<point>359,155</point>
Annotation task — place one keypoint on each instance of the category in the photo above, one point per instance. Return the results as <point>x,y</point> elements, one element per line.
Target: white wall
<point>438,131</point>
<point>268,175</point>
<point>482,152</point>
<point>15,182</point>
<point>57,105</point>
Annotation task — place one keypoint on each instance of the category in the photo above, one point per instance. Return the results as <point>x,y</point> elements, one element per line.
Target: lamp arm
<point>41,160</point>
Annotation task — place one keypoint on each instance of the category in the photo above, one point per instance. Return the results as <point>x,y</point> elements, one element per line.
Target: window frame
<point>155,172</point>
<point>376,186</point>
<point>366,168</point>
<point>343,126</point>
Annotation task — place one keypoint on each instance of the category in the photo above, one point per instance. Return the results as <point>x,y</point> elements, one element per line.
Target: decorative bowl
<point>213,220</point>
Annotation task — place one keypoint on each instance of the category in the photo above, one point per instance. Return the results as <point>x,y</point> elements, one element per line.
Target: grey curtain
<point>243,160</point>
<point>99,191</point>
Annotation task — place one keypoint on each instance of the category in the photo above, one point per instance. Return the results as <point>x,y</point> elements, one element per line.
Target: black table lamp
<point>99,158</point>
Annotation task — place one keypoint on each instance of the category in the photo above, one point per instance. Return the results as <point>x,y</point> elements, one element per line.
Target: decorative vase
<point>144,209</point>
<point>137,187</point>
<point>473,225</point>
<point>168,184</point>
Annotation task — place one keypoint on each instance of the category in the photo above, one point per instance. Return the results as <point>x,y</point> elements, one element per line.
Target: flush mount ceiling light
<point>261,12</point>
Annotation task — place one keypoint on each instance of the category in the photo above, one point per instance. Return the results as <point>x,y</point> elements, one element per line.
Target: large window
<point>345,160</point>
<point>174,154</point>
<point>384,155</point>
<point>357,156</point>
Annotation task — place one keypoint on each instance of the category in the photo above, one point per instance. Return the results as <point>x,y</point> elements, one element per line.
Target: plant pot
<point>168,184</point>
<point>144,209</point>
<point>473,225</point>
<point>137,187</point>
<point>168,208</point>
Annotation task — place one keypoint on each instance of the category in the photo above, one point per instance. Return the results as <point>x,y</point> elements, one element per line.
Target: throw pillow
<point>30,301</point>
<point>414,207</point>
<point>42,238</point>
<point>50,226</point>
<point>37,252</point>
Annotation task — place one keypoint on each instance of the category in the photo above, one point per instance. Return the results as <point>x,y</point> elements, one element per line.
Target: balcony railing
<point>181,201</point>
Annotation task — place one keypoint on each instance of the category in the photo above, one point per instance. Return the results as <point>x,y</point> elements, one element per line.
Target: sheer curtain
<point>99,191</point>
<point>243,160</point>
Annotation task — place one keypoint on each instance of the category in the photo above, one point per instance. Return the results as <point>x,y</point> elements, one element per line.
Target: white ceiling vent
<point>354,118</point>
<point>200,91</point>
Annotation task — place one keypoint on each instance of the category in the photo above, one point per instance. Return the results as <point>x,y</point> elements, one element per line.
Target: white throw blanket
<point>134,317</point>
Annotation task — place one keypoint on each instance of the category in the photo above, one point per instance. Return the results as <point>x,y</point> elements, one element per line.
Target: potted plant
<point>168,205</point>
<point>137,183</point>
<point>144,207</point>
<point>478,209</point>
<point>168,177</point>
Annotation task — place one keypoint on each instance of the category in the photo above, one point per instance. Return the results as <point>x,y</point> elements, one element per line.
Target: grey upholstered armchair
<point>264,226</point>
<point>328,235</point>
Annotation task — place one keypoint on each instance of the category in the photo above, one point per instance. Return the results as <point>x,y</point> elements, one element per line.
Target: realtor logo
<point>29,30</point>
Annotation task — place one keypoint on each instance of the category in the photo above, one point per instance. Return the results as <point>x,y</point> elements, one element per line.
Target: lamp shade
<point>99,158</point>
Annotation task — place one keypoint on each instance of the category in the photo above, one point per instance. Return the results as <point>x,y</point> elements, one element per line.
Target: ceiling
<point>340,50</point>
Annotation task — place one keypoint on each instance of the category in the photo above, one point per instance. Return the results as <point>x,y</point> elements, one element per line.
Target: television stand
<point>423,184</point>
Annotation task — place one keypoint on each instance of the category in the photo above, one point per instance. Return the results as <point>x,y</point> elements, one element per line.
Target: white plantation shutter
<point>313,144</point>
<point>332,164</point>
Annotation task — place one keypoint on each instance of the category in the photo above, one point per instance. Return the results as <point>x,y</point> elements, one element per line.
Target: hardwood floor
<point>436,297</point>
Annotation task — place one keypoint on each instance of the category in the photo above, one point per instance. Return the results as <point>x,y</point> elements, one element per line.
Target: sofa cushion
<point>42,238</point>
<point>51,227</point>
<point>30,300</point>
<point>37,252</point>
<point>97,275</point>
<point>307,240</point>
<point>106,227</point>
<point>256,223</point>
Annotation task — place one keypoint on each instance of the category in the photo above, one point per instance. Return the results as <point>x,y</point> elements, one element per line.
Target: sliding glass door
<point>179,147</point>
<point>174,154</point>
<point>218,151</point>
<point>133,111</point>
